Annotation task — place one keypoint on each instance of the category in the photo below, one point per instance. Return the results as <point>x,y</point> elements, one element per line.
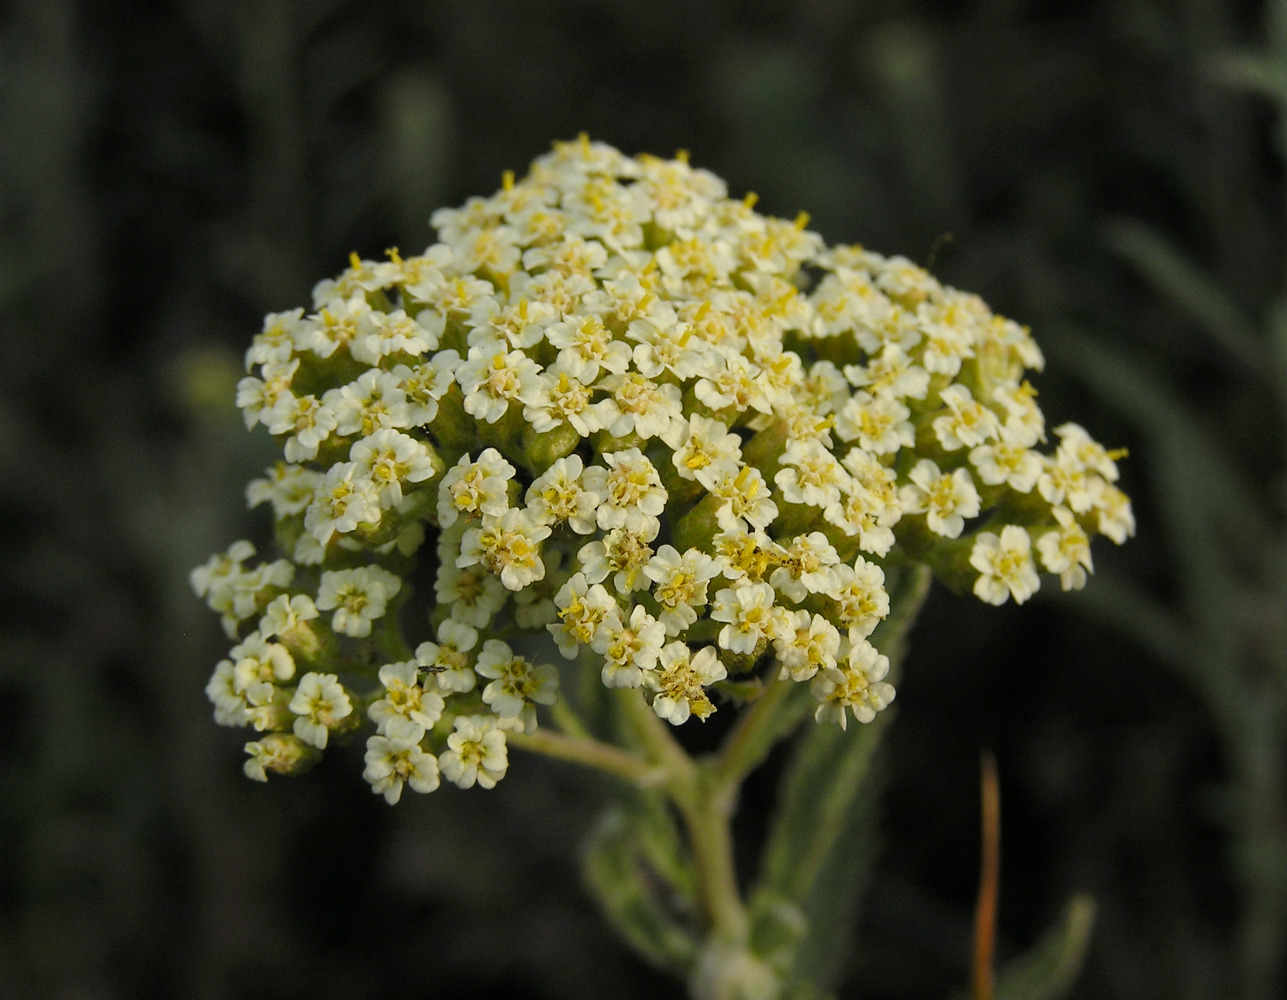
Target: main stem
<point>705,805</point>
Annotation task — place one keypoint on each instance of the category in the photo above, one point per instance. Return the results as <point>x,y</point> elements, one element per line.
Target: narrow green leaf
<point>1255,72</point>
<point>1191,289</point>
<point>820,853</point>
<point>1048,971</point>
<point>633,864</point>
<point>822,840</point>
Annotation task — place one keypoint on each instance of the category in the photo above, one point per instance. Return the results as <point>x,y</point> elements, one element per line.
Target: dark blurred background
<point>1109,172</point>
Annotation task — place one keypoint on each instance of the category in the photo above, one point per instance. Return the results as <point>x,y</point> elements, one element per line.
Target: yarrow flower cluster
<point>636,417</point>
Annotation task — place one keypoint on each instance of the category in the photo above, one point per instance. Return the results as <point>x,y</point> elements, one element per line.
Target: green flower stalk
<point>643,427</point>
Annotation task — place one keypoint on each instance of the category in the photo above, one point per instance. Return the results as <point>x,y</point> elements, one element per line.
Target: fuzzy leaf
<point>1048,970</point>
<point>635,867</point>
<point>823,837</point>
<point>1190,288</point>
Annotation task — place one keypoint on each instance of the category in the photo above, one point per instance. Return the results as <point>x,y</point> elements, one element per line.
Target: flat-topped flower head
<point>635,416</point>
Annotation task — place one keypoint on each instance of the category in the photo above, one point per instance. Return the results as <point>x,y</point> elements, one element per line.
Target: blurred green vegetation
<point>1109,172</point>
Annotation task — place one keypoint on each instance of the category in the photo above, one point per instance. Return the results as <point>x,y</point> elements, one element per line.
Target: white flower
<point>343,500</point>
<point>666,348</point>
<point>388,458</point>
<point>586,345</point>
<point>359,597</point>
<point>808,567</point>
<point>891,372</point>
<point>630,648</point>
<point>633,496</point>
<point>856,683</point>
<point>277,342</point>
<point>393,762</point>
<point>621,553</point>
<point>515,681</point>
<point>374,400</point>
<point>805,643</point>
<point>1008,460</point>
<point>638,405</point>
<point>679,585</point>
<point>321,703</point>
<point>748,609</point>
<point>810,475</point>
<point>558,495</point>
<point>382,335</point>
<point>285,612</point>
<point>745,497</point>
<point>744,554</point>
<point>878,423</point>
<point>1024,422</point>
<point>1089,453</point>
<point>867,514</point>
<point>407,710</point>
<point>214,575</point>
<point>1113,510</point>
<point>861,599</point>
<point>709,453</point>
<point>584,610</point>
<point>336,323</point>
<point>257,398</point>
<point>425,384</point>
<point>945,498</point>
<point>447,660</point>
<point>230,707</point>
<point>736,385</point>
<point>306,419</point>
<point>491,381</point>
<point>255,660</point>
<point>1066,550</point>
<point>289,488</point>
<point>1005,566</point>
<point>476,753</point>
<point>521,324</point>
<point>475,487</point>
<point>563,400</point>
<point>967,424</point>
<point>280,753</point>
<point>509,546</point>
<point>679,681</point>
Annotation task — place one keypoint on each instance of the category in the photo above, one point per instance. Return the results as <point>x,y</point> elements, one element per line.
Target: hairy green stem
<point>590,752</point>
<point>705,805</point>
<point>769,719</point>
